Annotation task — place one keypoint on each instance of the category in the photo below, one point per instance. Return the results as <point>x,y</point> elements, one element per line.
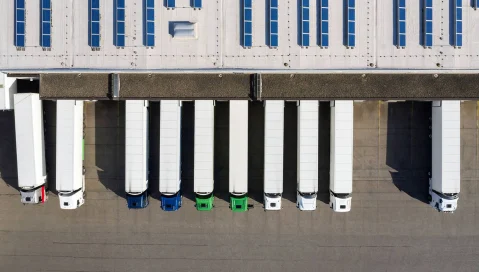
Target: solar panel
<point>46,24</point>
<point>401,24</point>
<point>351,24</point>
<point>304,40</point>
<point>247,23</point>
<point>119,23</point>
<point>273,23</point>
<point>170,4</point>
<point>196,4</point>
<point>324,23</point>
<point>475,4</point>
<point>94,37</point>
<point>457,40</point>
<point>20,24</point>
<point>149,23</point>
<point>427,24</point>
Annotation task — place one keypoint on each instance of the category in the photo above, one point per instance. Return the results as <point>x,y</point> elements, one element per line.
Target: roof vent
<point>184,30</point>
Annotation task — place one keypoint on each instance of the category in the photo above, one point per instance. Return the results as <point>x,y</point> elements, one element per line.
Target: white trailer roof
<point>238,162</point>
<point>136,146</point>
<point>341,164</point>
<point>204,146</point>
<point>29,138</point>
<point>8,87</point>
<point>446,146</point>
<point>69,164</point>
<point>273,146</point>
<point>308,122</point>
<point>170,146</point>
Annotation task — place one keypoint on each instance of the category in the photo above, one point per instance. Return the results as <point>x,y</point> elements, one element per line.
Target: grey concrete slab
<point>387,229</point>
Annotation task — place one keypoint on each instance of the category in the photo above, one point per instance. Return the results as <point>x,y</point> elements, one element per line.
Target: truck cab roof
<point>137,201</point>
<point>239,203</point>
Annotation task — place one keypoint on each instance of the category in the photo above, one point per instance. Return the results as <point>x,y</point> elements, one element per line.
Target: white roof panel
<point>29,140</point>
<point>273,146</point>
<point>204,146</point>
<point>308,125</point>
<point>170,146</point>
<point>69,164</point>
<point>218,46</point>
<point>238,162</point>
<point>136,146</point>
<point>341,169</point>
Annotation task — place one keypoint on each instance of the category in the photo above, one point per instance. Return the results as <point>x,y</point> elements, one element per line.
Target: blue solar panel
<point>401,24</point>
<point>45,26</point>
<point>304,40</point>
<point>20,23</point>
<point>247,23</point>
<point>149,23</point>
<point>196,4</point>
<point>457,40</point>
<point>170,4</point>
<point>273,23</point>
<point>475,4</point>
<point>427,24</point>
<point>324,23</point>
<point>351,24</point>
<point>119,23</point>
<point>94,37</point>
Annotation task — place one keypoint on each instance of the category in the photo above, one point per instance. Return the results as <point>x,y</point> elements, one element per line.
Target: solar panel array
<point>94,35</point>
<point>20,23</point>
<point>324,23</point>
<point>351,23</point>
<point>46,26</point>
<point>149,23</point>
<point>196,4</point>
<point>427,24</point>
<point>170,4</point>
<point>247,23</point>
<point>304,40</point>
<point>273,23</point>
<point>119,23</point>
<point>457,40</point>
<point>475,4</point>
<point>401,24</point>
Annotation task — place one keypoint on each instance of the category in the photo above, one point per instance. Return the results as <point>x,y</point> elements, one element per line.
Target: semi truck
<point>203,154</point>
<point>341,156</point>
<point>70,172</point>
<point>30,144</point>
<point>136,153</point>
<point>307,174</point>
<point>170,154</point>
<point>445,182</point>
<point>273,153</point>
<point>238,155</point>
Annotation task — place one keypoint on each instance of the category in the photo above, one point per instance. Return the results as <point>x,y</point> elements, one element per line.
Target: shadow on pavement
<point>221,153</point>
<point>409,147</point>
<point>324,158</point>
<point>188,149</point>
<point>256,151</point>
<point>290,156</point>
<point>154,159</point>
<point>8,152</point>
<point>50,125</point>
<point>110,145</point>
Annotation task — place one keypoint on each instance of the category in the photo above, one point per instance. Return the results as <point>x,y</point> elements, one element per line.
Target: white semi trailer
<point>273,153</point>
<point>307,179</point>
<point>70,173</point>
<point>8,87</point>
<point>341,156</point>
<point>136,153</point>
<point>445,182</point>
<point>170,154</point>
<point>238,155</point>
<point>204,153</point>
<point>29,138</point>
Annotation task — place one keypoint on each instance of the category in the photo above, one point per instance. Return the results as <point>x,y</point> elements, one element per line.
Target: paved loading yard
<point>390,228</point>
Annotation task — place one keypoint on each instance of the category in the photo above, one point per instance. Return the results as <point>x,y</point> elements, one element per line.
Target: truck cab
<point>171,202</point>
<point>137,201</point>
<point>306,201</point>
<point>33,196</point>
<point>239,202</point>
<point>71,200</point>
<point>340,202</point>
<point>272,202</point>
<point>443,202</point>
<point>204,202</point>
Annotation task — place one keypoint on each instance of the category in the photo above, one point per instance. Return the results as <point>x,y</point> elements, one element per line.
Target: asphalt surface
<point>389,228</point>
